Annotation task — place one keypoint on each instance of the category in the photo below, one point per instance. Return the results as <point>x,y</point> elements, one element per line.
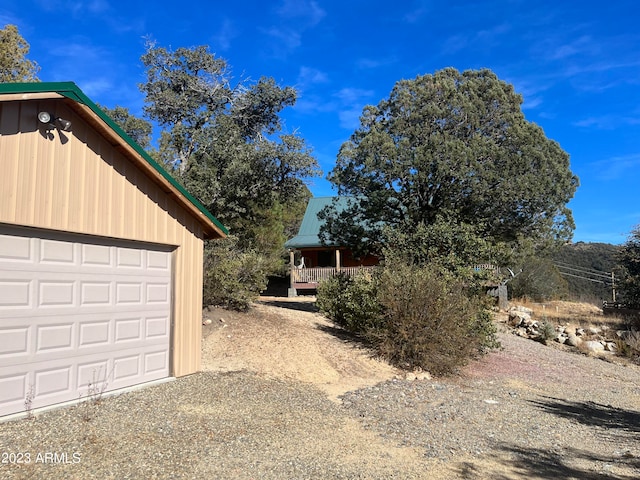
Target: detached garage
<point>100,254</point>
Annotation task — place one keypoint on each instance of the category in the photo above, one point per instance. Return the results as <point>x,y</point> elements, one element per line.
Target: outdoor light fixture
<point>47,119</point>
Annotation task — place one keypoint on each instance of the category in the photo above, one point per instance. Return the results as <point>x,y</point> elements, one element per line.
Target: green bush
<point>416,317</point>
<point>351,302</point>
<point>233,278</point>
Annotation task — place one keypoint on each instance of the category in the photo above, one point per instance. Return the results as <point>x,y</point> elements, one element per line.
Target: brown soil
<point>285,339</point>
<point>288,339</point>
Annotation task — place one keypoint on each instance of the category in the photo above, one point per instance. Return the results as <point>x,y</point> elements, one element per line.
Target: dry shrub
<point>430,321</point>
<point>416,317</point>
<point>629,345</point>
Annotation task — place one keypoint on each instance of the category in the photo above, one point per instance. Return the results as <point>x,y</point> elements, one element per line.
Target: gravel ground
<point>528,411</point>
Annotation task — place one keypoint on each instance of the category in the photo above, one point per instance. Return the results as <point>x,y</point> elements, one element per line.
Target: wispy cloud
<point>347,103</point>
<point>418,12</point>
<point>351,102</point>
<point>294,17</point>
<point>369,63</point>
<point>482,39</point>
<point>284,40</point>
<point>225,34</point>
<point>310,76</point>
<point>616,167</point>
<point>76,7</point>
<point>607,122</point>
<point>305,10</point>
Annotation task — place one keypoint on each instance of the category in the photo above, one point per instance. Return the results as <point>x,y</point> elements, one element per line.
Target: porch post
<point>292,265</point>
<point>337,260</point>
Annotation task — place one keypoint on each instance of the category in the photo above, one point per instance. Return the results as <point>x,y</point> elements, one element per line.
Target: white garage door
<point>79,315</point>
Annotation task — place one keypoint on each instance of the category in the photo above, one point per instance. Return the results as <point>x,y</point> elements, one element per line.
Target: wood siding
<point>79,182</point>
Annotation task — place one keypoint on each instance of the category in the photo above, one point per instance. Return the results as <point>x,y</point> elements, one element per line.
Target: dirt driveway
<point>284,394</point>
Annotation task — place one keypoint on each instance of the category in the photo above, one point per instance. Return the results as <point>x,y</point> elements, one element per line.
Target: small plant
<point>28,401</point>
<point>547,332</point>
<point>95,390</point>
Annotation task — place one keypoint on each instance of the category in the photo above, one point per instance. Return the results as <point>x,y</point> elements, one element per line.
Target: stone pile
<point>590,339</point>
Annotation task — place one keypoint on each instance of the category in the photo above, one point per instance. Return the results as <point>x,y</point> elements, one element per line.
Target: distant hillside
<point>590,261</point>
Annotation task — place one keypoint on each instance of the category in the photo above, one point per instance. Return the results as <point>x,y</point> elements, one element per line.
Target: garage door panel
<point>156,362</point>
<point>93,293</point>
<point>13,389</point>
<point>58,338</point>
<point>94,333</point>
<point>53,382</point>
<point>74,314</point>
<point>157,327</point>
<point>56,293</point>
<point>14,342</point>
<point>97,256</point>
<point>15,293</point>
<point>93,375</point>
<point>129,258</point>
<point>57,252</point>
<point>51,339</point>
<point>15,249</point>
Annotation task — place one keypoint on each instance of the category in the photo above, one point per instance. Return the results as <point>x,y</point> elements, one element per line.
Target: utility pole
<point>613,286</point>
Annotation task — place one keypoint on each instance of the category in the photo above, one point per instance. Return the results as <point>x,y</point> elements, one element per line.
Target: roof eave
<point>89,111</point>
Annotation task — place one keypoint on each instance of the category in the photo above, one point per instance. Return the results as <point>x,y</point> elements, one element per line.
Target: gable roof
<point>101,122</point>
<point>308,234</point>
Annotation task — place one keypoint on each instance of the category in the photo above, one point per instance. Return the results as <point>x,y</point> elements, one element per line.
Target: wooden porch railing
<point>318,274</point>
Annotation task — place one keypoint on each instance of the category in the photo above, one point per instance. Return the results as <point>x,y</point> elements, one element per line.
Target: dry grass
<point>571,313</point>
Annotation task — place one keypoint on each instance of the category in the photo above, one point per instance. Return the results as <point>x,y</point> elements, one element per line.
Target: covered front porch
<point>306,277</point>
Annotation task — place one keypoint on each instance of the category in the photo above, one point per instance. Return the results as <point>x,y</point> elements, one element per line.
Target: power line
<point>594,273</point>
<point>587,274</point>
<point>585,278</point>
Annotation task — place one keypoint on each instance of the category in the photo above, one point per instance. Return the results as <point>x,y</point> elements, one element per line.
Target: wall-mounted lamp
<point>61,123</point>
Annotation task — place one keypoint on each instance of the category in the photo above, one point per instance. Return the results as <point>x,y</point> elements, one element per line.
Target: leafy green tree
<point>137,128</point>
<point>225,142</point>
<point>14,66</point>
<point>452,148</point>
<point>538,280</point>
<point>589,257</point>
<point>629,258</point>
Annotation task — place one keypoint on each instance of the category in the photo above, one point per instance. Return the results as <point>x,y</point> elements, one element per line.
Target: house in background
<point>101,254</point>
<point>310,260</point>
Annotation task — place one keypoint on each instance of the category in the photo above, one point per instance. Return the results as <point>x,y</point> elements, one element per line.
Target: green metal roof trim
<point>73,92</point>
<point>308,234</point>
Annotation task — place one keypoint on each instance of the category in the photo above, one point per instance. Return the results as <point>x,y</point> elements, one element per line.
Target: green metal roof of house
<point>308,234</point>
<point>71,91</point>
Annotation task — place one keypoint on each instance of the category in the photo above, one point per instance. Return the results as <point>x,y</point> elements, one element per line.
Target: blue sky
<point>576,63</point>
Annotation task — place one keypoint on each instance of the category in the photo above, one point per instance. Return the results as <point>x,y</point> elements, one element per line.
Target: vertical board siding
<point>78,182</point>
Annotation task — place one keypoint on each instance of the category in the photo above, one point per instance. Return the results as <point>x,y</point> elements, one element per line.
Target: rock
<point>560,329</point>
<point>206,321</point>
<point>423,376</point>
<point>410,376</point>
<point>611,347</point>
<point>572,340</point>
<point>519,318</point>
<point>221,320</point>
<point>594,330</point>
<point>579,332</point>
<point>520,308</point>
<point>561,338</point>
<point>593,346</point>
